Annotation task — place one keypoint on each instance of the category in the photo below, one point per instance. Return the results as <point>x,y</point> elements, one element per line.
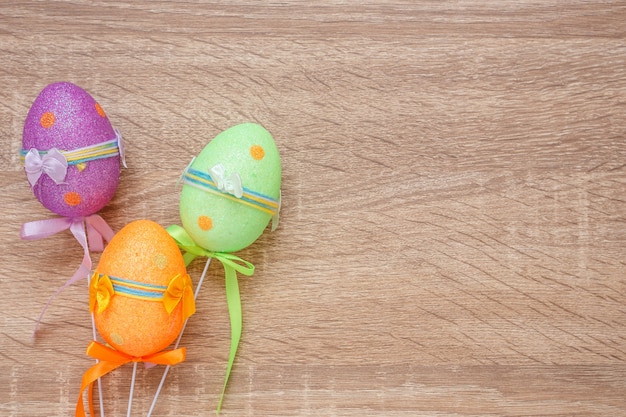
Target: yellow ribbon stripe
<point>178,291</point>
<point>249,198</point>
<point>88,153</point>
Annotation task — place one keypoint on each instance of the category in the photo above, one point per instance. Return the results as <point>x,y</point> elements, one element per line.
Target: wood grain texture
<point>452,238</point>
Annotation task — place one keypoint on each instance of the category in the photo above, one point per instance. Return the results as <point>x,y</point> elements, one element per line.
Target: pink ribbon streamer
<point>53,164</point>
<point>92,236</point>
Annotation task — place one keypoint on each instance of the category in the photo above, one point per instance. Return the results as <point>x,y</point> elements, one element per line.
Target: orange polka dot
<point>257,152</point>
<point>205,223</point>
<point>117,339</point>
<point>72,198</point>
<point>160,261</point>
<point>100,110</point>
<point>47,120</point>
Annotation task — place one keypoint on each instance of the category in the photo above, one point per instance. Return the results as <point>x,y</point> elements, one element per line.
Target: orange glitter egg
<point>141,255</point>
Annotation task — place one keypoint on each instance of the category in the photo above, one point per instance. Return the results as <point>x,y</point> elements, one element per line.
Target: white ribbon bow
<point>230,184</point>
<point>120,147</point>
<point>53,164</point>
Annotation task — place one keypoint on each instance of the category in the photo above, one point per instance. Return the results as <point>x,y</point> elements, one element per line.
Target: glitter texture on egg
<point>65,117</point>
<point>226,220</point>
<point>142,253</point>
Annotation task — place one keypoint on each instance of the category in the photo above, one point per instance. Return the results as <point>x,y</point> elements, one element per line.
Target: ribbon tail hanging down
<point>232,264</point>
<point>92,375</point>
<point>77,228</point>
<point>188,258</point>
<point>233,299</point>
<point>98,231</point>
<point>89,232</point>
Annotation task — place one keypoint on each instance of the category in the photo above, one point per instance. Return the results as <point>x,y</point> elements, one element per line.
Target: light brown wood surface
<point>452,237</point>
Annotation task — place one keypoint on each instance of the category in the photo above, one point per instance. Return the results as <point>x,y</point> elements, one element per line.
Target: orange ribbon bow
<point>100,292</point>
<point>180,290</point>
<point>111,359</point>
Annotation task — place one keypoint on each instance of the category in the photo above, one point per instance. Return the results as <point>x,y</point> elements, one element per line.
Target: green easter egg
<point>218,214</point>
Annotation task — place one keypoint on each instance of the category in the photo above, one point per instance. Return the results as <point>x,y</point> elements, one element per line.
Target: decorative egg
<point>140,271</point>
<point>65,120</point>
<point>231,190</point>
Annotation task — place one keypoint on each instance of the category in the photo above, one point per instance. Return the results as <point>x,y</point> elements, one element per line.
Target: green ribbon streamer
<point>232,264</point>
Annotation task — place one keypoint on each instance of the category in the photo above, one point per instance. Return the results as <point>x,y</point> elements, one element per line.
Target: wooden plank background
<point>452,239</point>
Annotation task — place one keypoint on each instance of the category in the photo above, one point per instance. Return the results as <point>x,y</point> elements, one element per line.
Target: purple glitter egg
<point>66,117</point>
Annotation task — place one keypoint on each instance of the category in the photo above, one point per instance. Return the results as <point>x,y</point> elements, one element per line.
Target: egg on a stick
<point>231,191</point>
<point>71,156</point>
<point>140,296</point>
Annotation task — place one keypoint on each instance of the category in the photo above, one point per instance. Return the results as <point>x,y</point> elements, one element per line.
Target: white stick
<point>132,389</point>
<point>93,331</point>
<point>167,368</point>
